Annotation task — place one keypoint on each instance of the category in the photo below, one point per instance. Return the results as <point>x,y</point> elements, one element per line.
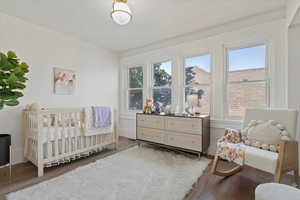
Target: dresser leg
<point>199,156</point>
<point>115,146</point>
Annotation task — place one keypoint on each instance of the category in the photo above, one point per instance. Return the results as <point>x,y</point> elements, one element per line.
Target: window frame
<point>226,71</point>
<point>184,86</point>
<point>128,88</point>
<point>152,80</point>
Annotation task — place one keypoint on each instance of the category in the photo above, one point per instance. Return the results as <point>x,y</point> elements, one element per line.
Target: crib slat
<point>67,124</point>
<point>63,140</point>
<point>56,137</point>
<point>76,130</point>
<point>48,136</point>
<point>92,140</point>
<point>85,142</point>
<point>82,118</point>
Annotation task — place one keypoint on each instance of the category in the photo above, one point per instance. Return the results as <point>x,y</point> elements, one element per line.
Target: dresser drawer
<point>151,135</point>
<point>186,125</point>
<point>150,121</point>
<point>192,142</point>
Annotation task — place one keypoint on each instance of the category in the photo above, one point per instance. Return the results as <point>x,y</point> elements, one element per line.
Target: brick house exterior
<point>240,94</point>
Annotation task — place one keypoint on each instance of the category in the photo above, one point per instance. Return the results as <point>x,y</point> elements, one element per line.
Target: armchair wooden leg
<point>296,168</point>
<point>287,160</point>
<point>280,166</point>
<point>277,176</point>
<point>223,173</point>
<point>296,177</point>
<point>214,165</point>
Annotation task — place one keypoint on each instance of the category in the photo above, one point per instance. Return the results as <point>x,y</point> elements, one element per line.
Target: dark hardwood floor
<point>240,186</point>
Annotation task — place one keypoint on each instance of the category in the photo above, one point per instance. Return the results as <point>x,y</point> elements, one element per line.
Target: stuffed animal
<point>149,107</point>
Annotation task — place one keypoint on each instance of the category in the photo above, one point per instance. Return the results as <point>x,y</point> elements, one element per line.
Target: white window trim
<point>205,53</point>
<point>152,81</point>
<point>130,89</point>
<point>236,46</point>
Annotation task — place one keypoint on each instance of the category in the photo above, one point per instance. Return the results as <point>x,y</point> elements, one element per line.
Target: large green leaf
<point>22,79</point>
<point>12,78</point>
<point>24,65</point>
<point>3,61</point>
<point>7,95</point>
<point>8,66</point>
<point>1,105</point>
<point>12,102</point>
<point>11,54</point>
<point>17,85</point>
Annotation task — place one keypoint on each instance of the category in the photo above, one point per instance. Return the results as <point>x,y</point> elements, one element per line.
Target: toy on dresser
<point>149,107</point>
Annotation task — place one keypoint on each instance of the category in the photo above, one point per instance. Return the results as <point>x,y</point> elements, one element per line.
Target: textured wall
<point>44,49</point>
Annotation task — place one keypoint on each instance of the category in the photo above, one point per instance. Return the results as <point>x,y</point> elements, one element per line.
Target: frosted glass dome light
<point>121,13</point>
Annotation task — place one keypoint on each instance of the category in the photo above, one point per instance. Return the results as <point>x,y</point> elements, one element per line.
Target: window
<point>135,88</point>
<point>198,83</point>
<point>247,79</point>
<point>162,81</point>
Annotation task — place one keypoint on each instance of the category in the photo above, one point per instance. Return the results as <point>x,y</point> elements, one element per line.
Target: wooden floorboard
<point>240,186</point>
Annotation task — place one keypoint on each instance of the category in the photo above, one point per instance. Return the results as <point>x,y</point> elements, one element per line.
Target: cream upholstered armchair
<point>283,160</point>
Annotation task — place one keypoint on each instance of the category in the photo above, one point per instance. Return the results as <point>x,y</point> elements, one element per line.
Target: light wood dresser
<point>184,133</point>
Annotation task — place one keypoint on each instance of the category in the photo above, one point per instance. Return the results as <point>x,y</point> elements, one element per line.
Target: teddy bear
<point>149,107</point>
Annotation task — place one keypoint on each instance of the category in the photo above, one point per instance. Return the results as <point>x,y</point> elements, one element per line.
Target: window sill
<point>226,123</point>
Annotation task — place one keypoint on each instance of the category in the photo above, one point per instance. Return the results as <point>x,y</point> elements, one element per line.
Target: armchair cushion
<point>286,117</point>
<point>264,134</point>
<point>254,157</point>
<point>260,159</point>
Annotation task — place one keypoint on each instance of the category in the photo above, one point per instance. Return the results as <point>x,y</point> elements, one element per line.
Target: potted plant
<point>12,82</point>
<point>12,79</point>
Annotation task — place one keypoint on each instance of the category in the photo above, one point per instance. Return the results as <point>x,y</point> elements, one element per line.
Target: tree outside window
<point>162,78</point>
<point>135,90</point>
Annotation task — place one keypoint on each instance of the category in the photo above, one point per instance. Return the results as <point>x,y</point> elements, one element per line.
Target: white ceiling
<point>153,20</point>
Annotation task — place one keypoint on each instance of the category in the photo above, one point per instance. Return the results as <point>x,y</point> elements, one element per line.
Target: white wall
<point>294,70</point>
<point>292,8</point>
<point>43,49</point>
<point>272,33</point>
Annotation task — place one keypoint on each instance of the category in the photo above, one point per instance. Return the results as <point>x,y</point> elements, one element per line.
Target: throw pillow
<point>264,134</point>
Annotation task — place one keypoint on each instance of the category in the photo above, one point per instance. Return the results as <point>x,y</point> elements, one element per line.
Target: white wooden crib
<point>59,135</point>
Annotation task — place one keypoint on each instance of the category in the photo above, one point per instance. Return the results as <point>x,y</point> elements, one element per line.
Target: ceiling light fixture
<point>121,13</point>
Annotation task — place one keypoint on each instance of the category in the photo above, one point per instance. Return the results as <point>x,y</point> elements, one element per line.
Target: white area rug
<point>139,173</point>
